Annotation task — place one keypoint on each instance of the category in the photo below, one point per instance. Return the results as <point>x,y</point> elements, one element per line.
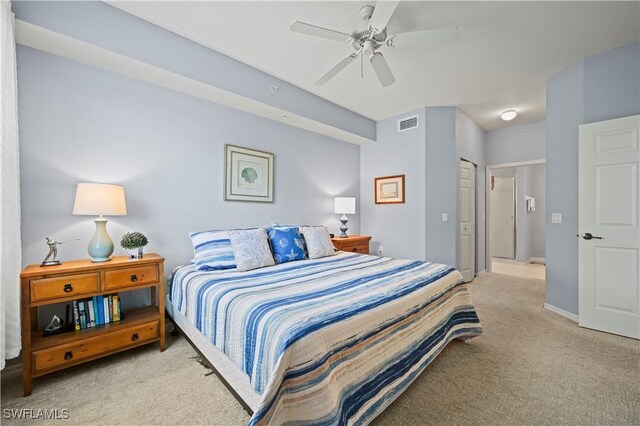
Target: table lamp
<point>100,199</point>
<point>344,206</point>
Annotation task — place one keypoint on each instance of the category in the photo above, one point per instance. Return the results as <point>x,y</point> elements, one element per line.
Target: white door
<point>467,220</point>
<point>608,226</point>
<point>503,217</point>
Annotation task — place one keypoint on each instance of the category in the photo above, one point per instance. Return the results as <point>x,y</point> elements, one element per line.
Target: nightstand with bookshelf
<point>81,279</point>
<point>353,243</point>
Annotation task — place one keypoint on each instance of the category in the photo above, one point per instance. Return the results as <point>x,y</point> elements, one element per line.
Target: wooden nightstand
<point>353,243</point>
<point>80,279</point>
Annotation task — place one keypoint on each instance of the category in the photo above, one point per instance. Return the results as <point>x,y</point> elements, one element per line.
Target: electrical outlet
<point>556,217</point>
<point>380,250</point>
<point>445,217</point>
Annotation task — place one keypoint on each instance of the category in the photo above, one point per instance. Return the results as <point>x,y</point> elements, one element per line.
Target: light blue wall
<point>535,187</point>
<point>600,87</point>
<point>81,124</point>
<point>530,228</point>
<point>441,165</point>
<point>429,157</point>
<point>470,144</point>
<point>612,84</point>
<point>105,26</point>
<point>513,144</point>
<point>399,228</point>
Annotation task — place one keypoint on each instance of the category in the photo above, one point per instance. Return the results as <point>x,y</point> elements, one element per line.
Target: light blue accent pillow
<point>286,244</point>
<point>212,250</point>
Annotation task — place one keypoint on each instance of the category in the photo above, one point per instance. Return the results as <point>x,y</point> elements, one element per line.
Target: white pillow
<point>318,241</point>
<point>251,248</point>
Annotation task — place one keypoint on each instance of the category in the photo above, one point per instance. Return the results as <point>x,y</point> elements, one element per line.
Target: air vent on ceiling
<point>408,123</point>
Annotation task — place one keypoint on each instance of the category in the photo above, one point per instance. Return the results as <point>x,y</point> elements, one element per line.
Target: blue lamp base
<point>101,246</point>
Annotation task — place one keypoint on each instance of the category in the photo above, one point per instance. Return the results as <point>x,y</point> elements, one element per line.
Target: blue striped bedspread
<point>332,340</point>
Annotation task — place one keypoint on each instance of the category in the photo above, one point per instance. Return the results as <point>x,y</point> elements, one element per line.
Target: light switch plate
<point>556,217</point>
<point>445,217</point>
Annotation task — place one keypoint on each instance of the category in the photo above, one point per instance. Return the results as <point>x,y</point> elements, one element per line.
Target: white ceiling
<point>505,52</point>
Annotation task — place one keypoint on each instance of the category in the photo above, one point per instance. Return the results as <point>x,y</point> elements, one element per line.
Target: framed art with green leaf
<point>248,175</point>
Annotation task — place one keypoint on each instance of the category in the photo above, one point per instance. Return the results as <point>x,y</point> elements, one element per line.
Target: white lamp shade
<point>344,205</point>
<point>99,199</point>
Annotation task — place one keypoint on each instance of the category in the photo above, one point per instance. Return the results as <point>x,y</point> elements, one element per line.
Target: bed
<point>326,341</point>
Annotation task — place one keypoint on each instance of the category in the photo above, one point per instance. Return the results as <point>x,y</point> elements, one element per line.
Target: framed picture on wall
<point>248,175</point>
<point>389,189</point>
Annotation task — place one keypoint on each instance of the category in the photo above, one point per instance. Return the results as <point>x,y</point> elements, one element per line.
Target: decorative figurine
<point>53,251</point>
<point>55,326</point>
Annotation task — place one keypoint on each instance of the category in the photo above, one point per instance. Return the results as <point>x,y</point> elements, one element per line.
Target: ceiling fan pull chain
<point>361,67</point>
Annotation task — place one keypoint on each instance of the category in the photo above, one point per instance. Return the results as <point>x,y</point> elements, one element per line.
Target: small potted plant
<point>132,241</point>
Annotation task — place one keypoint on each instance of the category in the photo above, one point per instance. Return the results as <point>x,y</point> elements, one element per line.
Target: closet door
<point>467,220</point>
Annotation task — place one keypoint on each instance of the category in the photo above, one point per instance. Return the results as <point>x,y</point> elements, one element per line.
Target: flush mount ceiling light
<point>509,115</point>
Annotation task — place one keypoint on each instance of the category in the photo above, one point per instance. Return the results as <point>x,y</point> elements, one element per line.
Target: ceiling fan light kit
<point>369,36</point>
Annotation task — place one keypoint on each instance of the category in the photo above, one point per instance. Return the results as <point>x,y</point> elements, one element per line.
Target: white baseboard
<point>540,260</point>
<point>561,312</point>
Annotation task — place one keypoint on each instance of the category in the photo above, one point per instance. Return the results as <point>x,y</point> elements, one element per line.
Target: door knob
<point>588,236</point>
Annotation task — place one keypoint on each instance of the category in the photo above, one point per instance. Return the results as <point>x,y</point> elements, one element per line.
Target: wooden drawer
<point>64,286</point>
<point>127,277</point>
<point>93,347</point>
<point>362,248</point>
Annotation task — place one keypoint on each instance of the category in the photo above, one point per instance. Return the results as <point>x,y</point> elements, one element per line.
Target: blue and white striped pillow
<point>212,250</point>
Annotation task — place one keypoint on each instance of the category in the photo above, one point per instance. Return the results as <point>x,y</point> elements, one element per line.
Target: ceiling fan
<point>369,36</point>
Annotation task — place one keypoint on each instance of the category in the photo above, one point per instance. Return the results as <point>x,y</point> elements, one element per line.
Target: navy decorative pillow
<point>286,244</point>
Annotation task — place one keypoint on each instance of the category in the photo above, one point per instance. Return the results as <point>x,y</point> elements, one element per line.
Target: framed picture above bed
<point>248,175</point>
<point>389,189</point>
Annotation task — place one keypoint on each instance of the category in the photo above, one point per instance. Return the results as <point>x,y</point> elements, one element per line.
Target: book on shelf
<point>76,316</point>
<point>100,307</point>
<point>94,301</point>
<point>114,300</point>
<point>92,315</point>
<point>105,309</point>
<point>95,311</point>
<point>83,318</point>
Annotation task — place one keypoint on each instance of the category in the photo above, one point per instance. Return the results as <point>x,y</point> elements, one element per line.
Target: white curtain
<point>10,250</point>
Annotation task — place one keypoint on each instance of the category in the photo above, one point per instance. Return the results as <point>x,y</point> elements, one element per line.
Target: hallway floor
<point>522,270</point>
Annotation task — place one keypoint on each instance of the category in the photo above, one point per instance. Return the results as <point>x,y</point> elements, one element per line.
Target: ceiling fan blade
<point>382,70</point>
<point>314,30</point>
<point>381,14</point>
<point>418,38</point>
<point>335,70</point>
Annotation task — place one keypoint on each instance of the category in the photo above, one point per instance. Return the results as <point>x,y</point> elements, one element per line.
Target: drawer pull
<point>134,278</point>
<point>68,355</point>
<point>134,337</point>
<point>354,249</point>
<point>68,288</point>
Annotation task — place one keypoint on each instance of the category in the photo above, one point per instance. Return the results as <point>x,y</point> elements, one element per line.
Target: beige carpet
<point>530,367</point>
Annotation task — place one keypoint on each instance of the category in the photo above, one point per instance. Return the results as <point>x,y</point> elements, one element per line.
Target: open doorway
<point>516,219</point>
